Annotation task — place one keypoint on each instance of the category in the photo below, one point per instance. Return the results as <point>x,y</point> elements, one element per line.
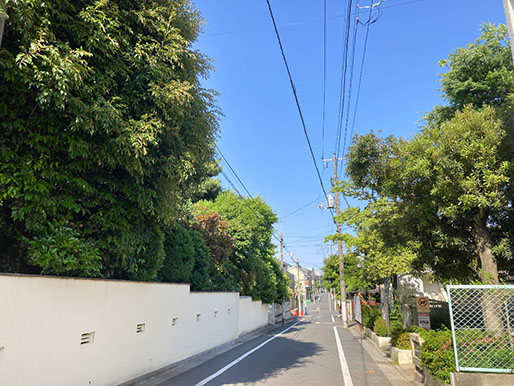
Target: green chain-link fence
<point>482,320</point>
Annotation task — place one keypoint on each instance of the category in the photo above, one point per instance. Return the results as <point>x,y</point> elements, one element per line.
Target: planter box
<point>429,380</point>
<point>381,341</point>
<point>401,357</point>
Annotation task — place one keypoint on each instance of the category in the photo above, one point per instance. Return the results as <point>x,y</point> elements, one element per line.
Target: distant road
<point>311,350</point>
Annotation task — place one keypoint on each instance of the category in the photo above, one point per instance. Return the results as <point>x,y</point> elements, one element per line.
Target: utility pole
<point>508,6</point>
<point>340,250</point>
<point>299,287</point>
<point>282,271</point>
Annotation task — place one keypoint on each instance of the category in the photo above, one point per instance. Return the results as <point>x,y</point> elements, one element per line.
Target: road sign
<point>423,305</point>
<point>424,321</point>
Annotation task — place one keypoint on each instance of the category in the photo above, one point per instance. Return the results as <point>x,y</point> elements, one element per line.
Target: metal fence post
<point>448,289</point>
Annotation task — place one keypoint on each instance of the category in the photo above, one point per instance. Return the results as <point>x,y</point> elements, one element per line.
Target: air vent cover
<point>87,337</point>
<point>140,328</point>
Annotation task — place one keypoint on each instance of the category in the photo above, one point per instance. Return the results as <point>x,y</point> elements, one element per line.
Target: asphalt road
<point>303,352</point>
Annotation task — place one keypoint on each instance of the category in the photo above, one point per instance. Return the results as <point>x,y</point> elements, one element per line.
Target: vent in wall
<point>198,317</point>
<point>174,321</point>
<point>87,337</point>
<point>140,328</point>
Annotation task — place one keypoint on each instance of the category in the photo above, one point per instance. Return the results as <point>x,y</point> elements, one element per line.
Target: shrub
<point>395,329</point>
<point>380,327</point>
<point>437,353</point>
<point>402,341</point>
<point>369,315</point>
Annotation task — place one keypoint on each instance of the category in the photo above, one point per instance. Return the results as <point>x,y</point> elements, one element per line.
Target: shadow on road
<point>280,355</point>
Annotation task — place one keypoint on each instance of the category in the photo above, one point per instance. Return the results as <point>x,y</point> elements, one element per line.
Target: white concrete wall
<point>252,315</point>
<point>408,285</point>
<point>42,319</point>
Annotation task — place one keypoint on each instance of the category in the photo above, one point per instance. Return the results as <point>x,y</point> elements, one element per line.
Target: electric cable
<point>348,104</point>
<point>324,77</point>
<point>361,71</point>
<point>249,194</point>
<point>344,65</point>
<point>297,101</point>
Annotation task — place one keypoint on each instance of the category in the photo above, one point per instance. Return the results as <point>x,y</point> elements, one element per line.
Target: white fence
<point>64,331</point>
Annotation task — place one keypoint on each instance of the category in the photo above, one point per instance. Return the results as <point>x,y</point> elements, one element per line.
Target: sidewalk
<point>397,375</point>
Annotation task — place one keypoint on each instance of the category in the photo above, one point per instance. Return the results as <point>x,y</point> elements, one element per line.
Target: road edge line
<point>344,365</point>
<point>236,361</point>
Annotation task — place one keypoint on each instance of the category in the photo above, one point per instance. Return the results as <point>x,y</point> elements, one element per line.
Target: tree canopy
<point>250,263</point>
<point>442,200</point>
<point>106,132</point>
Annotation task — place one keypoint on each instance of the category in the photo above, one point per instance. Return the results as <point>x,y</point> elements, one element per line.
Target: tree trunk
<point>484,245</point>
<point>488,273</point>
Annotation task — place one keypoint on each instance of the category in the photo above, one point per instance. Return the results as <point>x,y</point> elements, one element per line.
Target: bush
<point>380,327</point>
<point>369,315</point>
<point>395,329</point>
<point>437,353</point>
<point>402,341</point>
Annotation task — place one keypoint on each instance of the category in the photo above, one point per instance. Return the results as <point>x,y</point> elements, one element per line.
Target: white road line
<point>333,321</point>
<point>233,363</point>
<point>344,365</point>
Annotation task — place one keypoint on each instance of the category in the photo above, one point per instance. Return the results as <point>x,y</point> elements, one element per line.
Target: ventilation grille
<point>140,328</point>
<point>174,321</point>
<point>87,337</point>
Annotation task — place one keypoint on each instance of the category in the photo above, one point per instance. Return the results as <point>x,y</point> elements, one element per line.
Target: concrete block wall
<point>66,331</point>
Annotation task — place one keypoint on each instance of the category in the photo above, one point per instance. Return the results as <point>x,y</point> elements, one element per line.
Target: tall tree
<point>105,132</point>
<point>251,263</point>
<point>449,189</point>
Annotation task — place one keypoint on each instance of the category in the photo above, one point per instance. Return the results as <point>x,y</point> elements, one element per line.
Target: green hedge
<point>402,341</point>
<point>369,315</point>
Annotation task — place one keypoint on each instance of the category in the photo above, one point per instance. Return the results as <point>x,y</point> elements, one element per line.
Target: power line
<point>249,194</point>
<point>348,104</point>
<point>297,101</point>
<point>368,23</point>
<point>344,68</point>
<point>299,209</point>
<point>233,171</point>
<point>324,76</point>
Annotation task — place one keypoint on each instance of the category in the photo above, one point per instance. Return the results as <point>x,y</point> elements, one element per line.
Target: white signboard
<point>357,308</point>
<point>424,321</point>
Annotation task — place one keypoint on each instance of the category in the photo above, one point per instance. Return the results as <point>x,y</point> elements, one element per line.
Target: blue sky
<point>261,133</point>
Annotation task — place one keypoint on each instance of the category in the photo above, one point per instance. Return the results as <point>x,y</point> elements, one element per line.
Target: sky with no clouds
<point>261,134</point>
